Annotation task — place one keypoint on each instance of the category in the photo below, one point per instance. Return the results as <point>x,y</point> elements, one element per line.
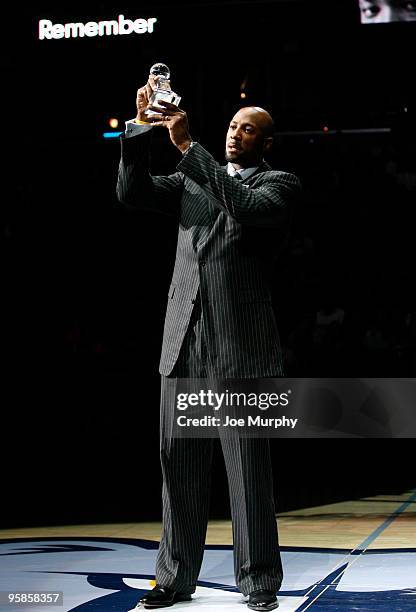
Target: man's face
<point>246,142</point>
<point>384,11</point>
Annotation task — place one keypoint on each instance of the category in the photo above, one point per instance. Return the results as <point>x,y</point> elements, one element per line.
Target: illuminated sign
<point>113,27</point>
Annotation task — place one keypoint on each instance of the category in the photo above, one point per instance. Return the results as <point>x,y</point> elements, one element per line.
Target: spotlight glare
<point>113,122</point>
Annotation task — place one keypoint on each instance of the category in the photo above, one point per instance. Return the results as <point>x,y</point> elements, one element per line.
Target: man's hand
<point>143,98</point>
<point>175,120</point>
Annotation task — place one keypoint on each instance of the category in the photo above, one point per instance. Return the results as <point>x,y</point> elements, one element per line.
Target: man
<point>384,11</point>
<point>219,324</point>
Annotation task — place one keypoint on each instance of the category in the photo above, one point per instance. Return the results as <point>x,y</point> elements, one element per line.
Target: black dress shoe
<point>262,600</point>
<point>162,597</point>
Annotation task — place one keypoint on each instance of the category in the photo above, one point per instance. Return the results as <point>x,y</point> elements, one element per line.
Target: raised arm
<point>136,187</point>
<point>265,203</point>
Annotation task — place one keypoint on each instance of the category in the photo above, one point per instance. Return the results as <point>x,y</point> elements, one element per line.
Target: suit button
<point>202,263</point>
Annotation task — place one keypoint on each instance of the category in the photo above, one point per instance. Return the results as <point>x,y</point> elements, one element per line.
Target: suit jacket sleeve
<point>136,188</point>
<point>264,204</point>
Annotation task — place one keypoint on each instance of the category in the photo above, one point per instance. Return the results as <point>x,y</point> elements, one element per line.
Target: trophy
<point>163,90</point>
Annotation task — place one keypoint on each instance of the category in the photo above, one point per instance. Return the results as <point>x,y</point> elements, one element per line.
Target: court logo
<point>98,575</point>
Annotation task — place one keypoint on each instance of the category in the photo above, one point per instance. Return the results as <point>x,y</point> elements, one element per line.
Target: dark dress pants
<point>186,469</point>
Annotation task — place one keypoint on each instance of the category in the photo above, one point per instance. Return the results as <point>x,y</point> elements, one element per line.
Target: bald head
<point>261,117</point>
<point>249,136</point>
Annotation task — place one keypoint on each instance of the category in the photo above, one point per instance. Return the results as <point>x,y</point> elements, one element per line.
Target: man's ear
<point>267,144</point>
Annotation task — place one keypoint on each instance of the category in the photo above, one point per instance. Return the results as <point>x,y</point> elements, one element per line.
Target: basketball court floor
<point>357,555</point>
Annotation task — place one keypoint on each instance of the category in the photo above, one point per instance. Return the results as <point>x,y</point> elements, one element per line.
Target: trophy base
<point>168,96</point>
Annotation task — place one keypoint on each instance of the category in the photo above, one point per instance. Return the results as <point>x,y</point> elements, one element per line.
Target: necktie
<point>238,176</point>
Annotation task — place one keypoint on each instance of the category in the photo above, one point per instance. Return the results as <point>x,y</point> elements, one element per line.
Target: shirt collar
<point>244,172</point>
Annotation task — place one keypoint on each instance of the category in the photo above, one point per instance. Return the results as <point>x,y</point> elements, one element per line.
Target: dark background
<point>85,282</point>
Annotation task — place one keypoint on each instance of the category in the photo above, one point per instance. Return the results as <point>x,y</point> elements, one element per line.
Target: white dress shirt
<point>243,172</point>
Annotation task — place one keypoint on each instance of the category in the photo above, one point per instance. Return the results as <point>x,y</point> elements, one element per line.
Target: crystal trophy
<point>163,90</point>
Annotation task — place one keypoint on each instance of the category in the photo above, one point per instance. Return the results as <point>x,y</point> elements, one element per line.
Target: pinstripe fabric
<point>219,323</point>
<point>229,232</point>
<point>186,468</point>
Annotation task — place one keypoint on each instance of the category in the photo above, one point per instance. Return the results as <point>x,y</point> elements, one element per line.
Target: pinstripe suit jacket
<point>229,233</point>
